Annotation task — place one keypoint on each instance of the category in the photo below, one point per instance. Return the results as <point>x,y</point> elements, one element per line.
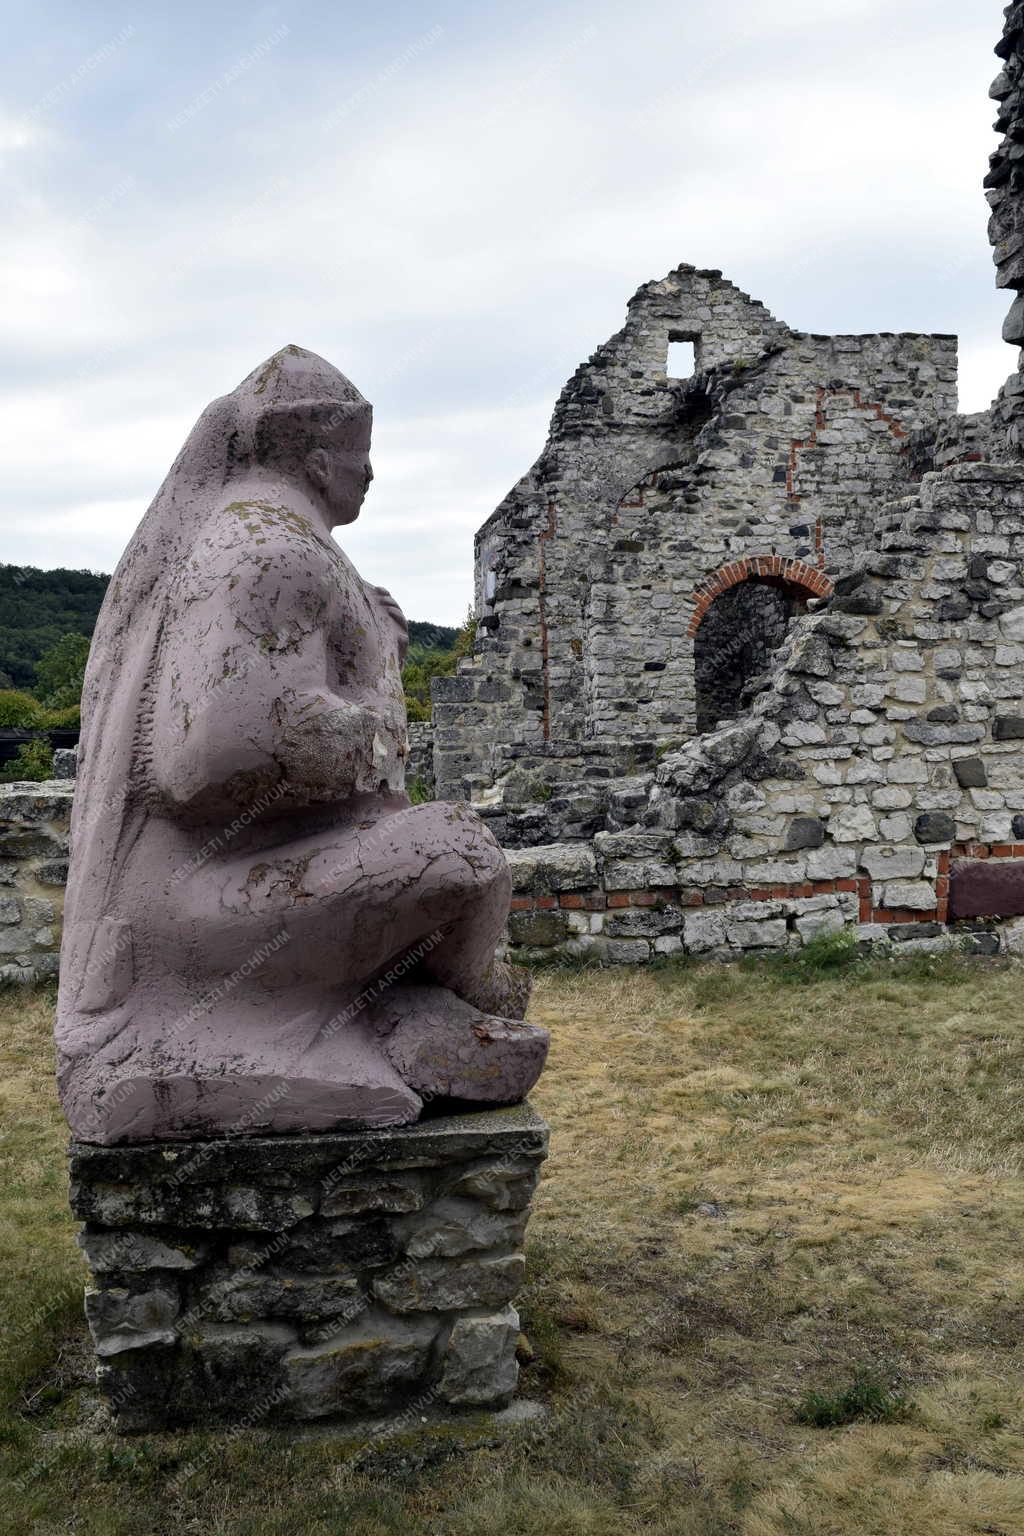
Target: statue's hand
<point>394,613</point>
<point>350,746</point>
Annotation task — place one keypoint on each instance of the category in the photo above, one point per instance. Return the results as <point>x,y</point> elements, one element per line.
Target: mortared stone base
<point>308,1277</point>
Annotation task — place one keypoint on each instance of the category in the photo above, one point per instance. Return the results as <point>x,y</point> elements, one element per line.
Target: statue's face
<point>342,477</point>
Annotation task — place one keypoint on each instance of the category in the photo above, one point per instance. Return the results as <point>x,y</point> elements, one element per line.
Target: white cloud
<point>464,233</point>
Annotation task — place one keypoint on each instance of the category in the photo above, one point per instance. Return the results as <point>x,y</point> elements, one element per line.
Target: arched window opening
<point>734,643</point>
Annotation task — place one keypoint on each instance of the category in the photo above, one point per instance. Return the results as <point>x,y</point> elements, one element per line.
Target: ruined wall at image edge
<point>34,822</point>
<point>1003,187</point>
<point>783,444</point>
<point>882,768</point>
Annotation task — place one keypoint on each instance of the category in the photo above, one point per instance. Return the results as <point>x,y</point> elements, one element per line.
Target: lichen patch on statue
<point>261,933</point>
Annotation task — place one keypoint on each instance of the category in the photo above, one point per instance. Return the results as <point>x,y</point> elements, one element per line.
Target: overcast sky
<point>453,203</point>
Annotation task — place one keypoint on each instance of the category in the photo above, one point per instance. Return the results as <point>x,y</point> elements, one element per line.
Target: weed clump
<point>867,1397</point>
<point>824,956</point>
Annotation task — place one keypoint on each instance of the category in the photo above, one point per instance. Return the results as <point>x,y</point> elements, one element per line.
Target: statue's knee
<point>457,829</point>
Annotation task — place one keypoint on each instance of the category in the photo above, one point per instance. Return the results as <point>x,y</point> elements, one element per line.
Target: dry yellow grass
<point>759,1187</point>
<point>863,1137</point>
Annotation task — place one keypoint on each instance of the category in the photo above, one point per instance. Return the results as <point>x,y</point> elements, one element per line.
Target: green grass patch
<point>867,1397</point>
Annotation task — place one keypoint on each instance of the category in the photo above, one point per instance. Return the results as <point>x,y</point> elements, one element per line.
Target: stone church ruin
<point>647,566</point>
<point>750,642</point>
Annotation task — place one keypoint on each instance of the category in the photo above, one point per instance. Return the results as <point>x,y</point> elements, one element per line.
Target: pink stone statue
<point>261,933</point>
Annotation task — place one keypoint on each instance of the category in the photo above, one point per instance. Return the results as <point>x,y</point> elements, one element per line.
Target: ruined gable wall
<point>1003,187</point>
<point>795,464</point>
<point>587,573</point>
<point>614,420</point>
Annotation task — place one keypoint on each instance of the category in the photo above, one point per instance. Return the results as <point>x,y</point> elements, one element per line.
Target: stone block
<point>704,930</point>
<point>30,843</point>
<point>907,689</point>
<point>552,868</point>
<point>478,1367</point>
<point>1012,938</point>
<point>753,935</point>
<point>1012,624</point>
<point>912,933</point>
<point>814,923</point>
<point>225,1369</point>
<point>917,895</point>
<point>504,1186</point>
<point>634,875</point>
<point>438,1285</point>
<point>452,1227</point>
<point>832,863</point>
<point>852,824</point>
<point>365,1367</point>
<point>643,922</point>
<point>986,888</point>
<point>935,827</point>
<point>892,797</point>
<point>538,930</point>
<point>633,844</point>
<point>886,863</point>
<point>995,827</point>
<point>120,1319</point>
<point>119,1253</point>
<point>353,1308</point>
<point>970,772</point>
<point>353,1195</point>
<point>38,804</point>
<point>249,1296</point>
<point>804,832</point>
<point>65,763</point>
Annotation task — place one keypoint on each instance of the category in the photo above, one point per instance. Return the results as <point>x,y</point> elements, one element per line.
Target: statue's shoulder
<point>258,526</point>
<point>263,520</point>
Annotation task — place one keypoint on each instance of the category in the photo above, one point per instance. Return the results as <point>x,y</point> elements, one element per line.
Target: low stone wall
<point>34,820</point>
<point>635,925</point>
<point>308,1277</point>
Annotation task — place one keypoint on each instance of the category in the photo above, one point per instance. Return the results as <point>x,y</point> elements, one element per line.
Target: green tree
<point>33,763</point>
<point>427,661</point>
<point>37,608</point>
<point>60,672</point>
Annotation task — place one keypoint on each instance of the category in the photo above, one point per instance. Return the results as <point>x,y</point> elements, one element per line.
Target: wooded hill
<point>38,607</point>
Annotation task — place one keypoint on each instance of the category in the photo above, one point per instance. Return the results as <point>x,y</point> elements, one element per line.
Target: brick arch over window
<point>771,568</point>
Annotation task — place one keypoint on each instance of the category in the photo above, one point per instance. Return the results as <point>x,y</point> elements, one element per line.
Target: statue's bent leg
<point>416,897</point>
<point>356,900</point>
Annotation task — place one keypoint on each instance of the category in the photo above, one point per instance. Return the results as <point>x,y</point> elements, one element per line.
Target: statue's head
<point>301,418</point>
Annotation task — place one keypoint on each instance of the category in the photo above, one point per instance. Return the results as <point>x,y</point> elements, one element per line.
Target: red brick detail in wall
<point>689,896</point>
<point>942,887</point>
<point>821,421</point>
<point>542,606</point>
<point>986,851</point>
<point>750,568</point>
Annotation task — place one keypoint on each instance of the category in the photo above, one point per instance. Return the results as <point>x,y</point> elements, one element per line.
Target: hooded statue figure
<point>261,932</point>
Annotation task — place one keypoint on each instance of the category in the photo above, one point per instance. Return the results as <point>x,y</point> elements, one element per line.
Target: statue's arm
<point>243,703</point>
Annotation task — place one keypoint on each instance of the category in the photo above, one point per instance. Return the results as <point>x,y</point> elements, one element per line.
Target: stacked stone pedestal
<point>297,1278</point>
